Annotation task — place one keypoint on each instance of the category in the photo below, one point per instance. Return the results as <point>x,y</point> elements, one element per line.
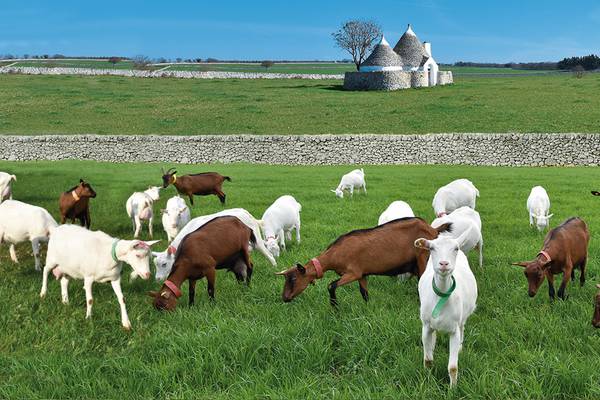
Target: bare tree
<point>141,62</point>
<point>267,64</point>
<point>357,38</point>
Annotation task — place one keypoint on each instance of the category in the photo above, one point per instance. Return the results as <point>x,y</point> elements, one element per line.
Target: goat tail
<point>13,177</point>
<point>447,227</point>
<point>228,179</point>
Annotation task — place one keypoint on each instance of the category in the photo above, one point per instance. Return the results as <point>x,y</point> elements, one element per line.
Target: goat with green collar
<point>448,296</point>
<point>76,253</point>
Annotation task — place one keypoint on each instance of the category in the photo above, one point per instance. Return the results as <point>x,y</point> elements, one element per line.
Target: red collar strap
<point>318,267</point>
<point>542,252</point>
<point>173,288</point>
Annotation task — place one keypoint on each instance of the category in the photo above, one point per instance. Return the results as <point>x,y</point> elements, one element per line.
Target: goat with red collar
<point>565,249</point>
<point>387,249</point>
<point>221,243</point>
<point>456,194</point>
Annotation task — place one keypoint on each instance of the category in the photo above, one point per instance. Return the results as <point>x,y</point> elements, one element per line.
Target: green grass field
<point>118,105</point>
<point>249,344</point>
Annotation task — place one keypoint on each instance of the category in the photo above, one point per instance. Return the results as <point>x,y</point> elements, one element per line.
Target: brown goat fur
<point>221,243</point>
<point>567,247</point>
<point>74,204</point>
<point>203,184</point>
<point>387,249</point>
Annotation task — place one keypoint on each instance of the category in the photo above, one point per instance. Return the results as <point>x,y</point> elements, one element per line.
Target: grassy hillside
<point>248,344</point>
<point>117,105</point>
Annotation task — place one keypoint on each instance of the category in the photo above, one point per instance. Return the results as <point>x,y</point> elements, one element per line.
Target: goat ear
<point>422,243</point>
<point>151,242</point>
<point>464,236</point>
<point>301,268</point>
<point>81,180</point>
<point>523,264</point>
<point>152,293</point>
<point>281,272</point>
<point>156,254</point>
<point>165,294</point>
<point>550,216</point>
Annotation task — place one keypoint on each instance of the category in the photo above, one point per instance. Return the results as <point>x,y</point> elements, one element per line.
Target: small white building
<point>409,64</point>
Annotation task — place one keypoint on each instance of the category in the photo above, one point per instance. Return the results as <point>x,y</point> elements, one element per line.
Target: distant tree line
<point>529,66</point>
<point>587,63</point>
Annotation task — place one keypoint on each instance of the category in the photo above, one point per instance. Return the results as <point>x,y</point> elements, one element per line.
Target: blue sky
<point>485,31</point>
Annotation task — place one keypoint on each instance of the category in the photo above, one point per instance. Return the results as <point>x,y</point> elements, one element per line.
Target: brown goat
<point>596,319</point>
<point>221,243</point>
<point>74,204</point>
<point>565,249</point>
<point>387,249</point>
<point>203,184</point>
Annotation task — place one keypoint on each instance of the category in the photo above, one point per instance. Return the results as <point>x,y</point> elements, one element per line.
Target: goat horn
<point>280,272</point>
<point>169,171</point>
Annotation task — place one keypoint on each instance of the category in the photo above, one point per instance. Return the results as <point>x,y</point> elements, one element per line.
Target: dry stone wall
<point>468,149</point>
<point>161,74</point>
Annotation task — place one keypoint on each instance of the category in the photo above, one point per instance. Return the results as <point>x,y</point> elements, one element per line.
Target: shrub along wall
<point>468,148</point>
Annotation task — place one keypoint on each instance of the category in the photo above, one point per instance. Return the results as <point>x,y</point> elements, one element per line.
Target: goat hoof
<point>428,363</point>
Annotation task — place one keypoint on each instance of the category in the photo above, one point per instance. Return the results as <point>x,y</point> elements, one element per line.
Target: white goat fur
<point>175,216</point>
<point>352,180</point>
<point>456,194</point>
<point>464,219</point>
<point>139,208</point>
<point>21,222</point>
<point>446,260</point>
<point>5,186</point>
<point>278,221</point>
<point>164,261</point>
<point>397,209</point>
<point>75,252</point>
<point>538,206</point>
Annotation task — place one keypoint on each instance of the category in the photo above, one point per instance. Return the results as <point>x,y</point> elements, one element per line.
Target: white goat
<point>538,205</point>
<point>21,222</point>
<point>448,296</point>
<point>75,252</point>
<point>352,180</point>
<point>278,221</point>
<point>5,186</point>
<point>458,193</point>
<point>175,216</point>
<point>164,260</point>
<point>464,219</point>
<point>139,208</point>
<point>397,209</point>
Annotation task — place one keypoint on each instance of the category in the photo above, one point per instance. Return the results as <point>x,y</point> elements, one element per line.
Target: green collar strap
<point>113,250</point>
<point>444,296</point>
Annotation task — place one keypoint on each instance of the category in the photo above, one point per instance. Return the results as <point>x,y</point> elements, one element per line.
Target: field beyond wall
<point>117,105</point>
<point>248,344</point>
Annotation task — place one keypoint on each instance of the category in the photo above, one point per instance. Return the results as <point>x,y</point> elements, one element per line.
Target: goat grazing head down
<point>84,189</point>
<point>168,177</point>
<point>535,272</point>
<point>273,247</point>
<point>338,192</point>
<point>542,221</point>
<point>296,280</point>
